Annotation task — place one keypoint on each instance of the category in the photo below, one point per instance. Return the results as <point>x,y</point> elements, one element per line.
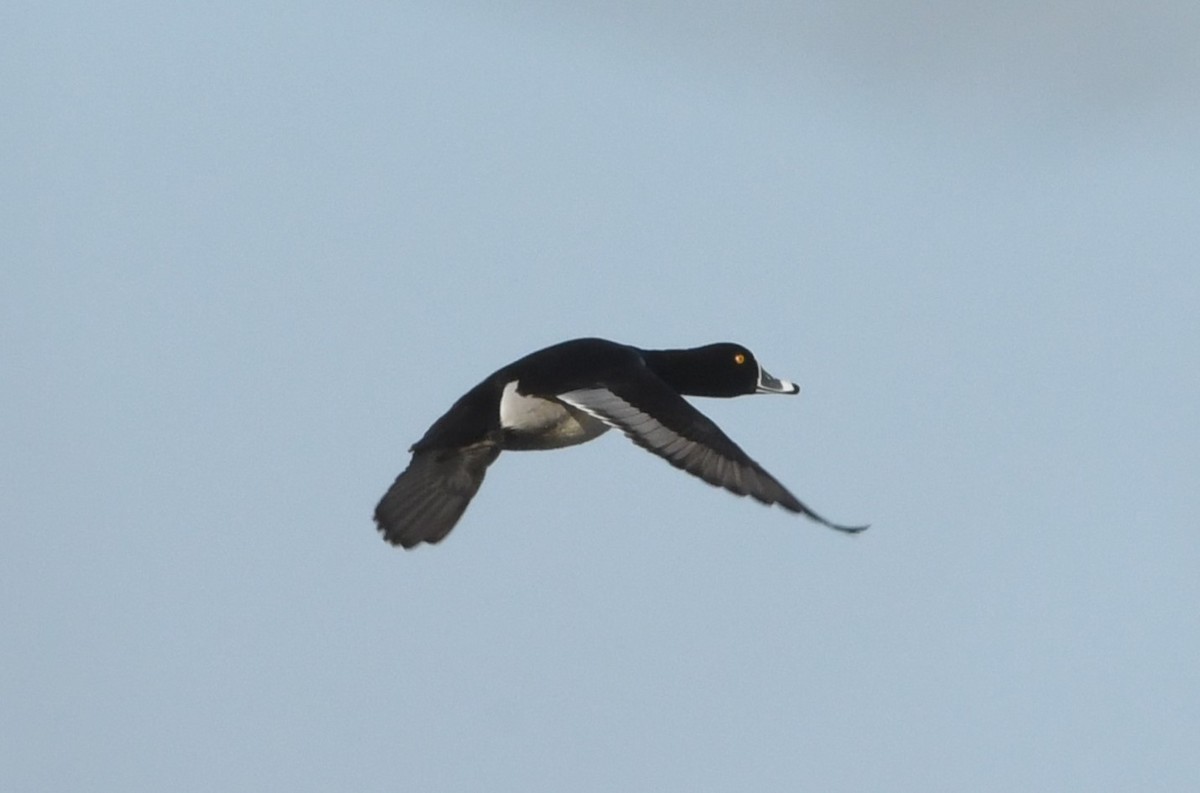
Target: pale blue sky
<point>252,252</point>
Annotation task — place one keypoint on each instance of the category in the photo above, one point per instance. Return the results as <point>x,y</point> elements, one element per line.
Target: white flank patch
<point>527,413</point>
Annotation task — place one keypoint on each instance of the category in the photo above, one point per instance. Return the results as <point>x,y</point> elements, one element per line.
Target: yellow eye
<point>739,359</point>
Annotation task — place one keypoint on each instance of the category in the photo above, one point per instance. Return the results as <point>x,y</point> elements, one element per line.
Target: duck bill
<point>773,385</point>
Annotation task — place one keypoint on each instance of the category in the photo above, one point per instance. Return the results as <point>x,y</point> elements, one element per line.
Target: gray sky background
<point>252,252</point>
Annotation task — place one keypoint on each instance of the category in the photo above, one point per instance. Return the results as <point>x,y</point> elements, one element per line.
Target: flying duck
<point>570,393</point>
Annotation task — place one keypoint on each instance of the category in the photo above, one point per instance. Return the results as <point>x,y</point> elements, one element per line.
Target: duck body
<point>571,393</point>
<point>517,407</point>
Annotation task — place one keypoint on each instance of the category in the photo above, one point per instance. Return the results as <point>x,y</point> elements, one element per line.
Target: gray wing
<point>692,443</point>
<point>429,497</point>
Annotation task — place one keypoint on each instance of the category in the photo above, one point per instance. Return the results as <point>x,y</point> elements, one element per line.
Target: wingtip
<point>396,538</point>
<point>803,510</point>
<point>413,529</point>
<point>838,526</point>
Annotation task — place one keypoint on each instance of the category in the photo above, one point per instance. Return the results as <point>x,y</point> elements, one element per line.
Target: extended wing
<point>688,440</point>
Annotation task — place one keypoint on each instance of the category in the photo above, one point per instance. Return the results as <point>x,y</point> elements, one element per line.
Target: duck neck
<point>683,370</point>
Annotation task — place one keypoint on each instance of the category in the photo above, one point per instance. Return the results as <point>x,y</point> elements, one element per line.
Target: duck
<point>573,392</point>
